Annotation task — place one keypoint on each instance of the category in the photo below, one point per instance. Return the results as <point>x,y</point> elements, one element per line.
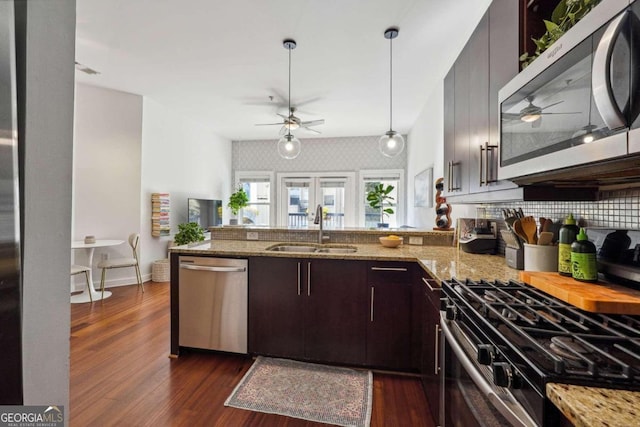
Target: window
<point>370,217</point>
<point>258,187</point>
<point>300,194</point>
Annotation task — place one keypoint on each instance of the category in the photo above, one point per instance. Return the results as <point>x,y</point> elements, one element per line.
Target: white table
<point>89,249</point>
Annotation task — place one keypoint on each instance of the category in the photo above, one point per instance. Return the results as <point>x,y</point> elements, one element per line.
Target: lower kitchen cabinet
<point>431,342</point>
<point>308,309</point>
<point>276,307</point>
<point>389,324</point>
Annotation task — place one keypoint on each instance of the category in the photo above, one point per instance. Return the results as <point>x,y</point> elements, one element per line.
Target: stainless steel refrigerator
<point>10,269</point>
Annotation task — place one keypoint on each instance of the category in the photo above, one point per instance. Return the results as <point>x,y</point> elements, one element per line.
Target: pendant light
<point>289,145</point>
<point>391,143</point>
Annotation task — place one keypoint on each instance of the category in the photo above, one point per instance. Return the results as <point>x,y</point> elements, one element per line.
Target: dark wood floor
<point>121,373</point>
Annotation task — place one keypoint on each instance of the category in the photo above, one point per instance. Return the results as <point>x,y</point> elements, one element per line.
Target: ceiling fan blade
<point>551,105</point>
<point>537,123</point>
<point>312,123</point>
<point>510,116</point>
<point>574,112</point>
<point>311,130</point>
<point>283,116</point>
<point>283,130</point>
<point>268,124</point>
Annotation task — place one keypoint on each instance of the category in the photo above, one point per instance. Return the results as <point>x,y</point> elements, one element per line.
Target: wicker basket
<point>161,271</point>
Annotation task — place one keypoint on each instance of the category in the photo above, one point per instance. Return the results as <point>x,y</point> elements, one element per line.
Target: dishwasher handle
<point>212,268</point>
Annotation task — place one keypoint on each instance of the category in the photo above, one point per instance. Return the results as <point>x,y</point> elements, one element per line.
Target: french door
<point>300,194</point>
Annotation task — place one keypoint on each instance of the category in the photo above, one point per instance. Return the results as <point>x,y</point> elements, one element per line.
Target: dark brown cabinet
<point>389,324</point>
<point>308,309</point>
<point>431,341</point>
<point>471,112</point>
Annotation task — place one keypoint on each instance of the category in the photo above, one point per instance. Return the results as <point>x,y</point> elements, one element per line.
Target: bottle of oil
<point>583,259</point>
<point>566,236</point>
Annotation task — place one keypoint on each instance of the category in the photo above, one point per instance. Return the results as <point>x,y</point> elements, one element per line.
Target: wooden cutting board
<point>594,297</point>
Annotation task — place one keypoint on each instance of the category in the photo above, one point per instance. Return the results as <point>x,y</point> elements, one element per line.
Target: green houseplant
<point>188,232</point>
<point>377,197</point>
<point>565,15</point>
<point>237,201</point>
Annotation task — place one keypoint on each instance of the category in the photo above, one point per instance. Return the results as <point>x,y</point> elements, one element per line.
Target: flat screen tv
<point>207,213</point>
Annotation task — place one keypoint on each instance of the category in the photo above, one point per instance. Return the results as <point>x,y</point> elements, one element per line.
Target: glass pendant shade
<point>289,147</point>
<point>391,144</point>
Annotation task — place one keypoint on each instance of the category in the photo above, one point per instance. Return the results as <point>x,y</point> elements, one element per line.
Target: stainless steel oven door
<point>469,398</point>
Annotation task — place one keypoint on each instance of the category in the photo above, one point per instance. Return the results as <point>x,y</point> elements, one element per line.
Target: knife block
<point>514,257</point>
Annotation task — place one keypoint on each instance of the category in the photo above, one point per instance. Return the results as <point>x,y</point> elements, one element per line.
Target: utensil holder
<point>540,258</point>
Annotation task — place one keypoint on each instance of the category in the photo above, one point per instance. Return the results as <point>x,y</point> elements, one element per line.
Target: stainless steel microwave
<point>573,113</point>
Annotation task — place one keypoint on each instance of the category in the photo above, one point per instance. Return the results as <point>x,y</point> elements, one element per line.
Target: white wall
<point>426,149</point>
<point>106,182</point>
<point>45,79</point>
<point>183,158</point>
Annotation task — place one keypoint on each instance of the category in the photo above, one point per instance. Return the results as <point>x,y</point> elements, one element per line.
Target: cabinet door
<point>449,128</point>
<point>334,311</point>
<point>389,321</point>
<point>276,307</point>
<point>459,169</point>
<point>503,66</point>
<point>430,370</point>
<point>478,102</point>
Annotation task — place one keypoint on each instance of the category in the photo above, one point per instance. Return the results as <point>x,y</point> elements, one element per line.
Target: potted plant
<point>188,232</point>
<point>377,197</point>
<point>237,201</point>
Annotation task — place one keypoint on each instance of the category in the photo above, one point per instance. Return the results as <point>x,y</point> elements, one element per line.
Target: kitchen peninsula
<point>438,259</point>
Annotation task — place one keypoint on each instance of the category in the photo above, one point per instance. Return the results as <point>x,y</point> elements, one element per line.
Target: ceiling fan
<point>533,113</point>
<point>291,121</point>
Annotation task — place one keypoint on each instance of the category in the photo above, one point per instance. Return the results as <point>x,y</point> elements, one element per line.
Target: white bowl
<point>390,243</point>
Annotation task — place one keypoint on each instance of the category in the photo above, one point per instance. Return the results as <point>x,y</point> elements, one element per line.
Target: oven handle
<point>517,419</point>
<point>601,72</point>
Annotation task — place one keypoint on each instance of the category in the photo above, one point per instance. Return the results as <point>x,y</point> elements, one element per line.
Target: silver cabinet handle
<point>431,288</point>
<point>485,164</point>
<point>454,187</point>
<point>449,176</point>
<point>211,268</point>
<point>388,269</point>
<point>309,279</point>
<point>601,76</point>
<point>481,162</point>
<point>372,296</point>
<point>436,362</point>
<point>298,278</point>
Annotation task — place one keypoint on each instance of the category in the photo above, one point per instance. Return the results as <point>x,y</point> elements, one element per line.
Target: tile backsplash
<point>615,210</point>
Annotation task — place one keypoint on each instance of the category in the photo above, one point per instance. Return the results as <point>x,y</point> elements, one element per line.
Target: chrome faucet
<point>318,220</point>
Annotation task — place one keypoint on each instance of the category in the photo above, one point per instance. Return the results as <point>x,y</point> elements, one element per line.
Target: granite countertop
<point>442,262</point>
<point>594,406</point>
<point>584,406</point>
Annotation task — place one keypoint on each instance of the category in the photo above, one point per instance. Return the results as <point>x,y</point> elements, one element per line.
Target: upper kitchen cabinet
<point>471,113</point>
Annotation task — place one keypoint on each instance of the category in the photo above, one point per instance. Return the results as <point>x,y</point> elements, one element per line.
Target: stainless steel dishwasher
<point>213,301</point>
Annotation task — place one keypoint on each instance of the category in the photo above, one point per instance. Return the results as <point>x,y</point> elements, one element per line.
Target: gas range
<point>524,339</point>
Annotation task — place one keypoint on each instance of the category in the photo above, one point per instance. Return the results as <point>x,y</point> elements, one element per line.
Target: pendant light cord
<point>390,84</point>
<point>288,118</point>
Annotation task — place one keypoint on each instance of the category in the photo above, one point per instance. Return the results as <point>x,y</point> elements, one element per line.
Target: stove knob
<point>451,312</point>
<point>505,376</point>
<point>485,354</point>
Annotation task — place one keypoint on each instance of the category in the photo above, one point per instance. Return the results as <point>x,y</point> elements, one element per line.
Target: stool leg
<point>104,271</point>
<point>86,275</point>
<point>139,277</point>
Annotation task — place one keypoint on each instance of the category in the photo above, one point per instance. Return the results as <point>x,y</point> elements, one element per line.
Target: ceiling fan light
<point>391,144</point>
<point>289,147</point>
<point>530,117</point>
<point>291,126</point>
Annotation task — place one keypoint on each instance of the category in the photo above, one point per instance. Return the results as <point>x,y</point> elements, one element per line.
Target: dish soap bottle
<point>566,236</point>
<point>583,259</point>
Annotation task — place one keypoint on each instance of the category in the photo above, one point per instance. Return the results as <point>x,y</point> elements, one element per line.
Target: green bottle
<point>566,236</point>
<point>583,259</point>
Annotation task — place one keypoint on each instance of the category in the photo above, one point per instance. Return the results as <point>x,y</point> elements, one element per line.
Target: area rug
<point>308,391</point>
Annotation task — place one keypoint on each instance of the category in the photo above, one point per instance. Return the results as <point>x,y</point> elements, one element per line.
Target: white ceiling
<point>213,59</point>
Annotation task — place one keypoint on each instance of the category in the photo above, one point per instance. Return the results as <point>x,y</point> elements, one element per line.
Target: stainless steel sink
<point>312,248</point>
<point>291,248</point>
<point>345,250</point>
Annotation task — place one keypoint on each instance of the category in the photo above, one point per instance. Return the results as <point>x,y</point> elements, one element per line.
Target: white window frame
<point>260,176</point>
<point>350,188</point>
<point>366,174</point>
